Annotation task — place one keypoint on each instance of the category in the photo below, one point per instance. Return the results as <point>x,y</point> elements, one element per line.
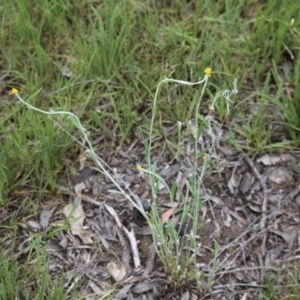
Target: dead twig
<point>135,252</point>
<point>130,235</point>
<point>246,269</point>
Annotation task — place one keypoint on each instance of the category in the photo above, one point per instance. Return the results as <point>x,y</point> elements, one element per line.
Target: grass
<point>30,281</point>
<point>114,55</point>
<point>289,289</point>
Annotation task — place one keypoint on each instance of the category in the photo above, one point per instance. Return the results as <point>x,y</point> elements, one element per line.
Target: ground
<point>160,189</point>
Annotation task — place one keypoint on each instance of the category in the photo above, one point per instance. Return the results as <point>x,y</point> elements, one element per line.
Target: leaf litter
<point>103,249</point>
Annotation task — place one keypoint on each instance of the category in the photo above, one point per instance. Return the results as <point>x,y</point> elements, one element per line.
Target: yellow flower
<point>139,168</point>
<point>208,71</point>
<point>14,91</point>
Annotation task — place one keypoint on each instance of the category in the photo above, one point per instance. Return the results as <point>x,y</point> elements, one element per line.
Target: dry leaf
<point>246,182</point>
<point>79,187</point>
<point>244,297</point>
<point>76,216</point>
<point>233,183</point>
<point>66,67</point>
<point>144,286</point>
<point>150,259</point>
<point>45,217</point>
<point>65,71</point>
<point>166,216</point>
<point>116,270</point>
<point>35,226</point>
<point>86,236</point>
<point>145,230</point>
<point>226,151</point>
<point>123,292</point>
<point>226,216</point>
<point>193,297</point>
<point>268,160</point>
<point>185,296</point>
<point>279,175</point>
<point>289,238</point>
<point>64,242</point>
<point>95,288</point>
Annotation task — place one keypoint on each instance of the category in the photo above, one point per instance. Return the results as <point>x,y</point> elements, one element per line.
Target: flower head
<point>208,71</point>
<point>14,91</point>
<point>139,168</point>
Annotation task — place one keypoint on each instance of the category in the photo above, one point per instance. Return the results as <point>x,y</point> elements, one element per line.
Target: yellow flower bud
<point>208,71</point>
<point>14,91</point>
<point>139,168</point>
